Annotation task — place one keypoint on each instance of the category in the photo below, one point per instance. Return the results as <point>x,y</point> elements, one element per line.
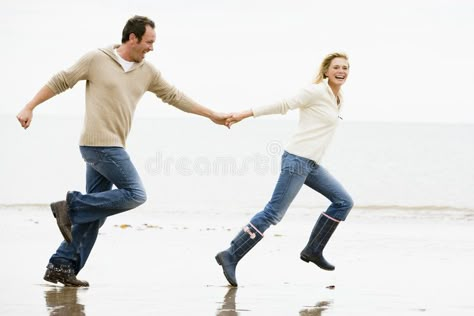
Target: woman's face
<point>338,71</point>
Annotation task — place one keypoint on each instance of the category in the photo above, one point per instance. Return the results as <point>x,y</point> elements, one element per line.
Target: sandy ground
<point>388,262</point>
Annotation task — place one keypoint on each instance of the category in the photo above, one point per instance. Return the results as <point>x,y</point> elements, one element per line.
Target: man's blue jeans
<point>296,171</point>
<point>106,167</point>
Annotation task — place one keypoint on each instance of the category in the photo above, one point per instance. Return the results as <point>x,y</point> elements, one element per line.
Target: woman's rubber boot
<point>240,245</point>
<point>322,232</point>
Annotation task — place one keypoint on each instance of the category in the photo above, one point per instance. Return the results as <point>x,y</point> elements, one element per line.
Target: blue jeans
<point>296,171</point>
<point>106,166</point>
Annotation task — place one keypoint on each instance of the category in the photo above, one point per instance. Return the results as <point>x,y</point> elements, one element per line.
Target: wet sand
<point>388,262</point>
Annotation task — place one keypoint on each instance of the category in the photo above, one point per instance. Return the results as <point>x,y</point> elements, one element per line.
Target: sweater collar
<point>331,93</point>
<point>109,51</point>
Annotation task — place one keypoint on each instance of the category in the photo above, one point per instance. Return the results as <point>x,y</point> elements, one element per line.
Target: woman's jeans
<point>296,171</point>
<point>106,166</point>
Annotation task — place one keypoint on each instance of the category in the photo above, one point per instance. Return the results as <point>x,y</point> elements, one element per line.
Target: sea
<point>188,164</point>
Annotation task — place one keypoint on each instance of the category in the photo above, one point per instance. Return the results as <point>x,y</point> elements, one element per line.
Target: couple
<point>116,78</point>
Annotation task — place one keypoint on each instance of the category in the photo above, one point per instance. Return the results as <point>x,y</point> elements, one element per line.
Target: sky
<point>411,60</point>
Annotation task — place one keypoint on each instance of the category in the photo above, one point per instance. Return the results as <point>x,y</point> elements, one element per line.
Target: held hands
<point>220,118</point>
<point>228,119</point>
<point>237,117</point>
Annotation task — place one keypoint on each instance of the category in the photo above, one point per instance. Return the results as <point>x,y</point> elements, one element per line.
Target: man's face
<point>140,48</point>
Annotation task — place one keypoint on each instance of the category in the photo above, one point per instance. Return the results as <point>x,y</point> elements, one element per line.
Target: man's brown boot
<point>61,213</point>
<point>63,274</point>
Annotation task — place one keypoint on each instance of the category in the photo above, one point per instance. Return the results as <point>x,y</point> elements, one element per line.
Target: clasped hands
<point>231,118</point>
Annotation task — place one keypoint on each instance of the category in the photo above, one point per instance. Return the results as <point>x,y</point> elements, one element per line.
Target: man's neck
<point>123,51</point>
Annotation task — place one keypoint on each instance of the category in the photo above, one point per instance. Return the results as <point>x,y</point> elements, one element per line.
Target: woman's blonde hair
<point>325,65</point>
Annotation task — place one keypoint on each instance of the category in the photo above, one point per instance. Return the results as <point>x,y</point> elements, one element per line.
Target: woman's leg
<point>292,177</point>
<point>321,181</point>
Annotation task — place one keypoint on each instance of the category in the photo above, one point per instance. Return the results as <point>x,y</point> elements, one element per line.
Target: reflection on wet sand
<point>62,301</point>
<point>228,307</point>
<point>316,310</point>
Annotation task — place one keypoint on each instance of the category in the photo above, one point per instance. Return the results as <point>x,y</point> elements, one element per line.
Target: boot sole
<point>305,259</point>
<point>67,284</point>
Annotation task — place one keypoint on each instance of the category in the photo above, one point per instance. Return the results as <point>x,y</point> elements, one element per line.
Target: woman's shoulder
<point>321,86</point>
<point>314,89</point>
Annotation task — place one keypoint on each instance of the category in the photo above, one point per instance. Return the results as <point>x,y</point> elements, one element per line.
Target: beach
<point>407,247</point>
<point>146,262</point>
<point>401,151</point>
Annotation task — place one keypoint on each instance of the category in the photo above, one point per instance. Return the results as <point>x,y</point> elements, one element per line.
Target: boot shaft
<point>245,240</point>
<point>322,232</point>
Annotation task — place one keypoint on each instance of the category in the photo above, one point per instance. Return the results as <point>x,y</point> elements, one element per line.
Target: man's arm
<point>59,83</point>
<point>26,114</point>
<point>218,118</point>
<point>171,95</point>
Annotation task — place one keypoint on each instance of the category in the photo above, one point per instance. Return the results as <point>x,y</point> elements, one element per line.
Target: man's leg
<point>105,166</point>
<point>84,235</point>
<point>114,164</point>
<point>75,254</point>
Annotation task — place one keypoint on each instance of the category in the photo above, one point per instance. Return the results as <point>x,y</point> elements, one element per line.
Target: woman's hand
<point>237,117</point>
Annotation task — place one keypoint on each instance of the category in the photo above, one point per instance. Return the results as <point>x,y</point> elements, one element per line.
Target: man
<point>117,77</point>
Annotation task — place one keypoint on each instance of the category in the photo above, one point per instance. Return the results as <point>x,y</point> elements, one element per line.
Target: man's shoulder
<point>100,55</point>
<point>93,53</point>
<point>148,66</point>
<point>107,51</point>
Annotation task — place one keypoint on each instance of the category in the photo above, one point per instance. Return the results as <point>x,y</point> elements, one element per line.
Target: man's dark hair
<point>136,25</point>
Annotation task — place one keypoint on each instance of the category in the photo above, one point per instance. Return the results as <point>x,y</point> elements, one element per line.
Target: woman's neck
<point>335,88</point>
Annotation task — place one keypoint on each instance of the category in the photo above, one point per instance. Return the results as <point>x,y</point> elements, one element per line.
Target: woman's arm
<point>299,100</point>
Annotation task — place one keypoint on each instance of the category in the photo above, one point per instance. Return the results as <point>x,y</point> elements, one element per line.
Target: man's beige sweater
<point>112,94</point>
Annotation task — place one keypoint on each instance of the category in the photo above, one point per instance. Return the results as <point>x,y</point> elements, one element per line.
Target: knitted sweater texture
<point>112,95</point>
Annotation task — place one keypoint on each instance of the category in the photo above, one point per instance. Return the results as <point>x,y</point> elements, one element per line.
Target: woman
<point>319,105</point>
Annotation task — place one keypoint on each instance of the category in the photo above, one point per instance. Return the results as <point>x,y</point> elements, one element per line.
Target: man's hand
<point>24,117</point>
<point>220,118</point>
